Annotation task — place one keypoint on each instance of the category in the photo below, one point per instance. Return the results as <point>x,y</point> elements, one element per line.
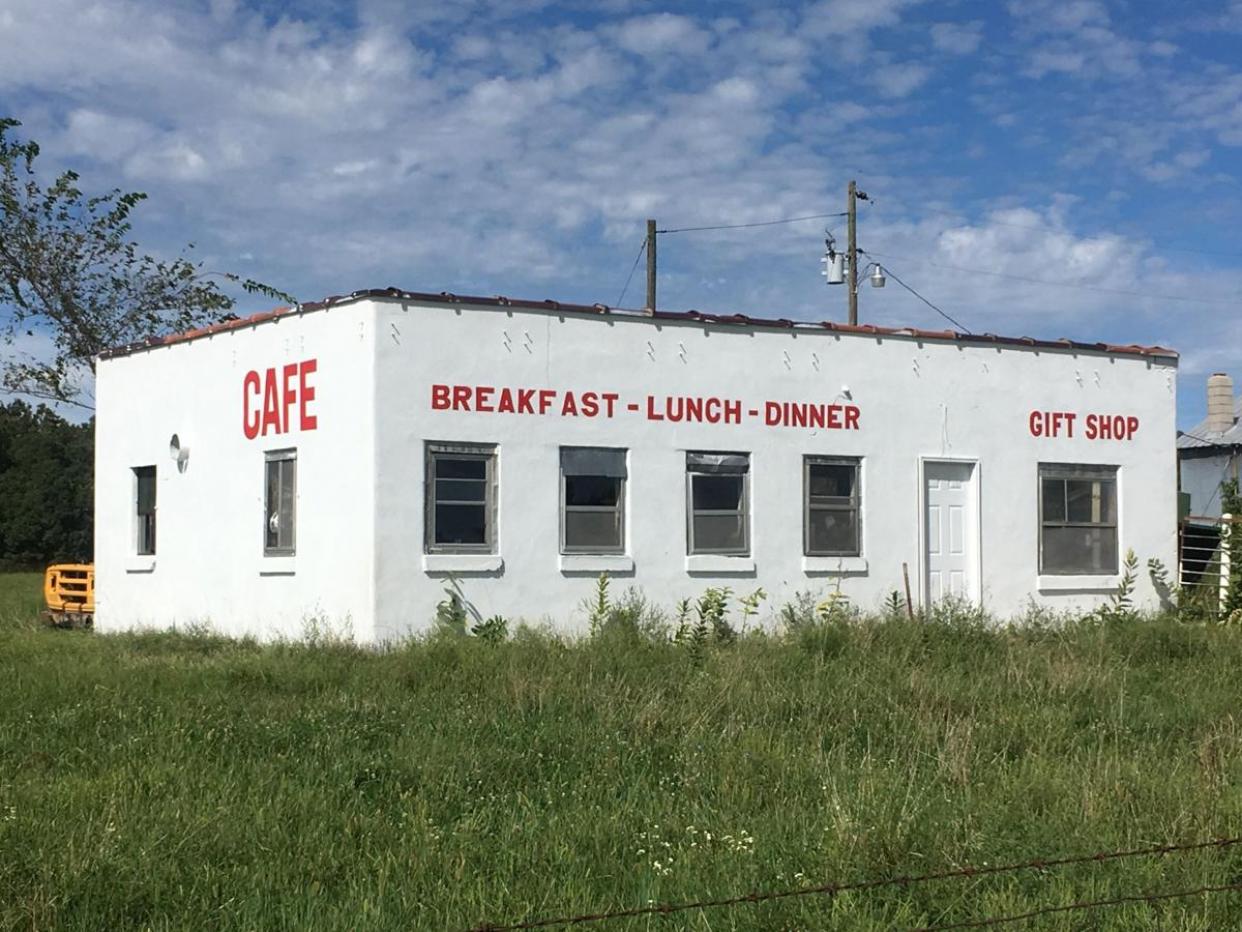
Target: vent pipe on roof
<point>1219,403</point>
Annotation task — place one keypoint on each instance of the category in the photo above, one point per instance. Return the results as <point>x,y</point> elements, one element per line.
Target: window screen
<point>1078,520</point>
<point>144,485</point>
<point>280,503</point>
<point>461,498</point>
<point>718,503</point>
<point>831,506</point>
<point>592,500</point>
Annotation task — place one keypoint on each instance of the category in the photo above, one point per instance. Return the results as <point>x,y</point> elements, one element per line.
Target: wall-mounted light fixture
<point>179,453</point>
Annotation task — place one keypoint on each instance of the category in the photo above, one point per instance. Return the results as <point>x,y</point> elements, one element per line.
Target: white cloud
<point>845,17</point>
<point>661,34</point>
<point>1048,60</point>
<point>957,38</point>
<point>1022,271</point>
<point>1060,15</point>
<point>175,160</point>
<point>1213,101</point>
<point>512,147</point>
<point>1177,166</point>
<point>1076,38</point>
<point>736,91</point>
<point>106,136</point>
<point>898,80</point>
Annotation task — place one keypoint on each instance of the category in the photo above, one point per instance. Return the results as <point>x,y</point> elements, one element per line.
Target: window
<point>718,497</point>
<point>144,510</point>
<point>830,507</point>
<point>461,498</point>
<point>1078,520</point>
<point>280,503</point>
<point>592,500</point>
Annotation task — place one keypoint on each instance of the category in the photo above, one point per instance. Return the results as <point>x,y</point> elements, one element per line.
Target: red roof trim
<point>596,310</point>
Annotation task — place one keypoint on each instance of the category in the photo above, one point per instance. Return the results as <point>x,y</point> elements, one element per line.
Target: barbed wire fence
<point>957,873</point>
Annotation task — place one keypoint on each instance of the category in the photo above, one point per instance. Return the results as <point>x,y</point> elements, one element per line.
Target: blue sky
<point>1041,168</point>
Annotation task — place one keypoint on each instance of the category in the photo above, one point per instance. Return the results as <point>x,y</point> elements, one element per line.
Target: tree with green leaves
<point>70,272</point>
<point>45,487</point>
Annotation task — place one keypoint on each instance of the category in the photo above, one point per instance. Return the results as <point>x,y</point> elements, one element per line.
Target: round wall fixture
<point>180,454</point>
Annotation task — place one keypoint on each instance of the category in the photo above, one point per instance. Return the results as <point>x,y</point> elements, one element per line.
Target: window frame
<point>619,509</point>
<point>282,456</point>
<point>1081,471</point>
<point>855,503</point>
<point>692,548</point>
<point>489,453</point>
<point>141,525</point>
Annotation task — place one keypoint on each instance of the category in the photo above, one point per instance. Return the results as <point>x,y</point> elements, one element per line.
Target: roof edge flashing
<point>598,310</point>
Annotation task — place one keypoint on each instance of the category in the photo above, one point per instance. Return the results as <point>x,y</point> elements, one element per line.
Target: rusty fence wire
<point>1086,904</point>
<point>832,889</point>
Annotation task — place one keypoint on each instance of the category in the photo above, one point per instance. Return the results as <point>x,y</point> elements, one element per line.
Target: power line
<point>633,268</point>
<point>761,223</point>
<point>1055,284</point>
<point>893,275</point>
<point>1045,228</point>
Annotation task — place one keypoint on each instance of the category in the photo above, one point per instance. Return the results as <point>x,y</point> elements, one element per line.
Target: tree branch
<point>46,396</point>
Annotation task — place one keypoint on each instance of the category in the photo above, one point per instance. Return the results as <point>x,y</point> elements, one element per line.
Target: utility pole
<point>851,254</point>
<point>651,264</point>
<point>842,268</point>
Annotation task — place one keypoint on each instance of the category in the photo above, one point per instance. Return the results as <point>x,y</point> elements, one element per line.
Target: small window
<point>281,498</point>
<point>717,492</point>
<point>1078,520</point>
<point>592,500</point>
<point>830,507</point>
<point>144,510</point>
<point>461,498</point>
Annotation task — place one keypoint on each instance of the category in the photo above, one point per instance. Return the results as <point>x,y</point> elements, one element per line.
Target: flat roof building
<point>335,463</point>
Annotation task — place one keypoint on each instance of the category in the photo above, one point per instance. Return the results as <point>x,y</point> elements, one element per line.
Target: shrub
<point>455,611</point>
<point>1120,605</point>
<point>597,610</point>
<point>894,605</point>
<point>633,616</point>
<point>1231,504</point>
<point>493,631</point>
<point>750,605</point>
<point>836,608</point>
<point>955,612</point>
<point>800,612</point>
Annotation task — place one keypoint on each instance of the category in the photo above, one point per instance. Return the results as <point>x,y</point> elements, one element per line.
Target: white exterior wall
<point>1201,477</point>
<point>360,562</point>
<point>918,400</point>
<point>209,566</point>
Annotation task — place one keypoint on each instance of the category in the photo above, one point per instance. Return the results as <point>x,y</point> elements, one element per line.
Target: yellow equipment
<point>69,593</point>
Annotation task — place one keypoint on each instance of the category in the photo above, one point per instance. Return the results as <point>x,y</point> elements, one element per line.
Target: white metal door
<point>950,560</point>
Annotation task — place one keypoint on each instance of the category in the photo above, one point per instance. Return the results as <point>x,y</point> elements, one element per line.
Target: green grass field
<point>181,781</point>
<point>21,598</point>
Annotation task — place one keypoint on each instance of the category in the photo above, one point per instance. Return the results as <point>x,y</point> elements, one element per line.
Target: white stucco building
<point>333,464</point>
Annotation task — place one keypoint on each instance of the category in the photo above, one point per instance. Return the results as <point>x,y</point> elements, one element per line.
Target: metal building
<point>335,463</point>
<point>1208,453</point>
